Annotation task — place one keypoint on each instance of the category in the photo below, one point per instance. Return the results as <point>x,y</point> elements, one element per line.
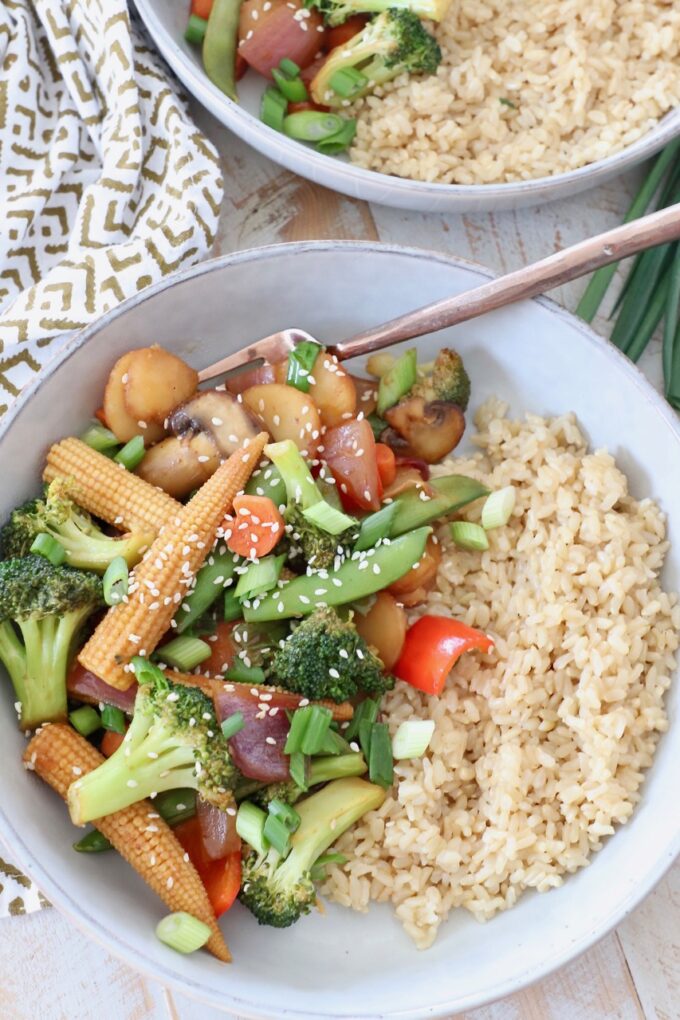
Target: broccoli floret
<point>174,740</point>
<point>318,547</point>
<point>42,608</point>
<point>336,13</point>
<point>86,546</point>
<point>326,657</point>
<point>279,890</point>
<point>448,380</point>
<point>393,43</point>
<point>320,770</point>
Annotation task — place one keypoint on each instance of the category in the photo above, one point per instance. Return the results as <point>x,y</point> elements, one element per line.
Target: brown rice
<point>526,88</point>
<point>539,749</point>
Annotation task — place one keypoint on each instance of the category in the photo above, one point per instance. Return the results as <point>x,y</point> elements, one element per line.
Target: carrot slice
<point>255,528</point>
<point>387,463</point>
<point>111,742</point>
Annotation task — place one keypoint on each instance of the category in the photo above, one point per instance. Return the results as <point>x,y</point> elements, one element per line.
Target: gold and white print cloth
<point>105,186</point>
<point>105,183</point>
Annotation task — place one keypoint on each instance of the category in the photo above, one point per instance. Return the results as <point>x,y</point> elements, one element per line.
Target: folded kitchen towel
<point>105,183</point>
<point>105,186</point>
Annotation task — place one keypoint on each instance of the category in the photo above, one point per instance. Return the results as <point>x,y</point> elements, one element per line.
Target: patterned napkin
<point>105,186</point>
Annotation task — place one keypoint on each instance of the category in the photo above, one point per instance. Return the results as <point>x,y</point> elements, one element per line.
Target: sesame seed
<point>132,783</point>
<point>76,770</point>
<point>269,740</point>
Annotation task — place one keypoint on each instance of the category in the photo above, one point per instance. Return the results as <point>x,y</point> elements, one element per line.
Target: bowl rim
<point>90,924</point>
<point>250,129</point>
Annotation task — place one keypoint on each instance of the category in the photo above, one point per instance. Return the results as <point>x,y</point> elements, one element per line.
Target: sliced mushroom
<point>406,478</point>
<point>219,415</point>
<point>179,465</point>
<point>427,431</point>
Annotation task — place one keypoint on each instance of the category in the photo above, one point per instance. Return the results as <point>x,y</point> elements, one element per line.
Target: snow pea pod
<point>219,46</point>
<point>356,578</point>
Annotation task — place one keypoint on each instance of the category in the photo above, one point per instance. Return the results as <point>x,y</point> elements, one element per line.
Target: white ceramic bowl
<point>166,21</point>
<point>345,964</point>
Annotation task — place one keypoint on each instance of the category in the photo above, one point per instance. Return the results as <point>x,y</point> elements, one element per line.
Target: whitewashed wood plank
<point>48,969</point>
<point>650,938</point>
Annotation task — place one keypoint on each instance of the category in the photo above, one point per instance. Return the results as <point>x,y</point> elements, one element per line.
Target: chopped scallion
<point>113,719</point>
<point>273,108</point>
<point>195,30</point>
<point>233,610</point>
<point>99,438</point>
<point>469,536</point>
<point>250,821</point>
<point>301,361</point>
<point>334,744</point>
<point>85,720</point>
<point>184,652</point>
<point>365,710</point>
<point>340,141</point>
<point>327,518</point>
<point>375,527</point>
<point>289,68</point>
<point>292,88</point>
<point>45,545</point>
<point>115,581</point>
<point>233,725</point>
<point>318,722</point>
<point>312,125</point>
<point>146,671</point>
<point>132,454</point>
<point>318,871</point>
<point>277,834</point>
<point>412,738</point>
<point>498,507</point>
<point>380,762</point>
<point>259,577</point>
<point>397,381</point>
<point>242,674</point>
<point>285,813</point>
<point>347,81</point>
<point>182,932</point>
<point>298,769</point>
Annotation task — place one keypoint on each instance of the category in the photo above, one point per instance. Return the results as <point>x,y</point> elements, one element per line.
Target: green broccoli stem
<point>300,486</point>
<point>323,818</point>
<point>148,761</point>
<point>89,549</point>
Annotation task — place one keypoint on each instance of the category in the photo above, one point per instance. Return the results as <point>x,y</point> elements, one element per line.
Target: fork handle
<point>568,264</point>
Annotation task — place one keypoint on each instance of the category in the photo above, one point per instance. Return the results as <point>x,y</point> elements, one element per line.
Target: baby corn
<point>107,490</point>
<point>59,756</point>
<point>163,577</point>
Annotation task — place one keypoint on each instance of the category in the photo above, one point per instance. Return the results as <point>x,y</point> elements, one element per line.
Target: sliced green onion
<point>322,770</point>
<point>301,361</point>
<point>377,424</point>
<point>412,738</point>
<point>312,125</point>
<point>175,806</point>
<point>195,30</point>
<point>671,354</point>
<point>365,734</point>
<point>318,870</point>
<point>296,733</point>
<point>116,581</point>
<point>45,545</point>
<point>147,671</point>
<point>298,769</point>
<point>328,519</point>
<point>339,141</point>
<point>375,527</point>
<point>289,68</point>
<point>211,581</point>
<point>242,674</point>
<point>318,722</point>
<point>276,833</point>
<point>182,932</point>
<point>365,710</point>
<point>260,576</point>
<point>273,108</point>
<point>85,720</point>
<point>397,381</point>
<point>233,725</point>
<point>93,843</point>
<point>347,81</point>
<point>596,289</point>
<point>334,744</point>
<point>233,610</point>
<point>99,438</point>
<point>498,507</point>
<point>292,88</point>
<point>469,536</point>
<point>184,652</point>
<point>132,454</point>
<point>380,762</point>
<point>250,821</point>
<point>285,813</point>
<point>113,719</point>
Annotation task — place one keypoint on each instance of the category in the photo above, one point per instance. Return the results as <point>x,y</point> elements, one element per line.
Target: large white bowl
<point>166,21</point>
<point>344,964</point>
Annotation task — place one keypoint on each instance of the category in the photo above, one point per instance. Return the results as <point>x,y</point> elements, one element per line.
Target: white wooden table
<point>47,968</point>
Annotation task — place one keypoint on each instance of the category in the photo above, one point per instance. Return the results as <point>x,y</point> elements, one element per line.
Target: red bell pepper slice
<point>432,646</point>
<point>222,878</point>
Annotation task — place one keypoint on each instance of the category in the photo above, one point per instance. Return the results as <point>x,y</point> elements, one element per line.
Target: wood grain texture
<point>634,973</point>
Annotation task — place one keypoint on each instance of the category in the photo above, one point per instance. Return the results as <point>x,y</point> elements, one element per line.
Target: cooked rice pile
<point>526,88</point>
<point>539,750</point>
